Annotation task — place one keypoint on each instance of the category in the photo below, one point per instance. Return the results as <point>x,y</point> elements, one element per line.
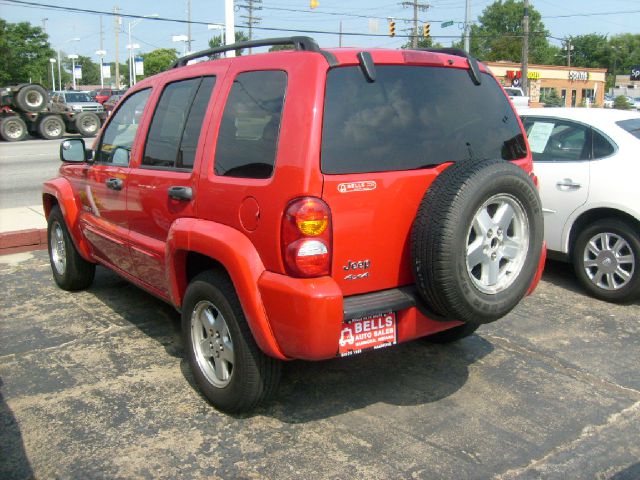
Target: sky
<point>561,17</point>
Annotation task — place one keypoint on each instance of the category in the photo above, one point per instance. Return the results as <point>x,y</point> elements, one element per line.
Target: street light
<point>76,39</point>
<point>131,47</point>
<point>53,75</point>
<point>101,54</point>
<point>73,58</point>
<point>181,38</point>
<point>217,26</point>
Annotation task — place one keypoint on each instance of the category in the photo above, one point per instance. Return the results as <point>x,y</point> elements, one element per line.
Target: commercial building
<point>577,86</point>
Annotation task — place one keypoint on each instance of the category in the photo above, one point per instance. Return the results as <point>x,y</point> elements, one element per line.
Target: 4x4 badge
<point>357,186</point>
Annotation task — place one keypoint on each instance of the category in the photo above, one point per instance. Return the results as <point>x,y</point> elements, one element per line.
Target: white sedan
<point>588,164</point>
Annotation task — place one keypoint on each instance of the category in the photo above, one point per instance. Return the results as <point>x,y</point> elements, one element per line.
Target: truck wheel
<point>70,270</point>
<point>606,259</point>
<point>13,129</point>
<point>51,127</point>
<point>87,124</point>
<point>477,240</point>
<point>228,366</point>
<point>453,334</point>
<point>31,98</point>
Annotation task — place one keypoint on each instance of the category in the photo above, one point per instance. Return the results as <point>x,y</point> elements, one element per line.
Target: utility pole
<point>189,26</point>
<point>524,82</point>
<point>101,35</point>
<point>569,48</point>
<point>116,10</point>
<point>340,36</point>
<point>417,6</point>
<point>44,24</point>
<point>250,17</point>
<point>467,27</point>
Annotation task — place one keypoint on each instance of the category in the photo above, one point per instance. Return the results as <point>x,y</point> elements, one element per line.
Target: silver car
<point>73,101</point>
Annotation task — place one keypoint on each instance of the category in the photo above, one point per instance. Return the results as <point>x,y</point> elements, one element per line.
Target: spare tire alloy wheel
<point>87,124</point>
<point>31,98</point>
<point>51,127</point>
<point>606,260</point>
<point>477,240</point>
<point>13,129</point>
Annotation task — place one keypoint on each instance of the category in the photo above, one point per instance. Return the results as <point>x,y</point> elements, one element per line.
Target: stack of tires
<point>28,99</point>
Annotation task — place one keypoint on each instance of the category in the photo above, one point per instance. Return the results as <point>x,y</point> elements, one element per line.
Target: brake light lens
<point>306,238</point>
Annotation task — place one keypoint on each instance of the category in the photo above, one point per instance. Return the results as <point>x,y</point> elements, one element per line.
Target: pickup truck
<point>517,96</point>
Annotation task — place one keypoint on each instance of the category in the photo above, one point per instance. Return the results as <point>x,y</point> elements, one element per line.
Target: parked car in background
<point>608,101</point>
<point>103,94</point>
<point>111,103</point>
<point>517,96</point>
<point>85,114</point>
<point>588,168</point>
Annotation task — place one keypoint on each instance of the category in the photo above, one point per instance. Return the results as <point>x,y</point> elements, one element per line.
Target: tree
<point>552,99</point>
<point>158,60</point>
<point>423,43</point>
<point>591,50</point>
<point>498,36</point>
<point>217,42</point>
<point>25,53</point>
<point>278,48</point>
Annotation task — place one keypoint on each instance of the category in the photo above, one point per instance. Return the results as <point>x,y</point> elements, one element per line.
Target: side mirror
<point>73,150</point>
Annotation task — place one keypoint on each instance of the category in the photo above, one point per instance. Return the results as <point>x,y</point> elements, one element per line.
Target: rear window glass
<point>414,117</point>
<point>632,126</point>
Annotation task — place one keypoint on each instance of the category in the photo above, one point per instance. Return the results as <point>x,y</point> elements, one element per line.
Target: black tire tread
<point>16,118</point>
<point>42,131</point>
<point>263,372</point>
<point>80,130</point>
<point>79,273</point>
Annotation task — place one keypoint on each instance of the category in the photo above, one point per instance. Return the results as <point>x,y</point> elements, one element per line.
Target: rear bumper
<point>306,315</point>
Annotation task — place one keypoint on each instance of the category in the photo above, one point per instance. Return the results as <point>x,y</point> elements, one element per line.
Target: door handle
<point>114,183</point>
<point>180,193</point>
<point>568,184</point>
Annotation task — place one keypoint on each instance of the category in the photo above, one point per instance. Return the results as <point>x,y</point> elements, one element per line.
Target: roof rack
<point>473,63</point>
<point>306,44</point>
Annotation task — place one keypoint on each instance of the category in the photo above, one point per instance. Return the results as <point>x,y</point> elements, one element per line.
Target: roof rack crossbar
<point>299,43</point>
<point>473,63</point>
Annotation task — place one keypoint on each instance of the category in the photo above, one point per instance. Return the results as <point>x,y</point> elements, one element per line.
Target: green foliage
<point>423,43</point>
<point>278,48</point>
<point>552,99</point>
<point>621,103</point>
<point>498,35</point>
<point>158,61</point>
<point>591,50</point>
<point>25,53</point>
<point>217,42</point>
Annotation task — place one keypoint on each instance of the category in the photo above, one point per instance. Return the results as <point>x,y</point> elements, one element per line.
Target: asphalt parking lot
<point>93,385</point>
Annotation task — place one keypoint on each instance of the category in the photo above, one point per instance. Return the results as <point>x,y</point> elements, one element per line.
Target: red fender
<point>235,252</point>
<point>60,189</point>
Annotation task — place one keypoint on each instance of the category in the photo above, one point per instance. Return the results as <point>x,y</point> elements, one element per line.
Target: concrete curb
<point>23,240</point>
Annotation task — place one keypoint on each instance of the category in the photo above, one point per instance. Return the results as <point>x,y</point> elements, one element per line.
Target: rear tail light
<point>306,238</point>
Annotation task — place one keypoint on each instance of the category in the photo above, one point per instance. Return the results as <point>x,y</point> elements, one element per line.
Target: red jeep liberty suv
<point>305,204</point>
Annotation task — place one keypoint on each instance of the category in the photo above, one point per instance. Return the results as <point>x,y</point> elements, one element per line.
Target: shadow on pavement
<point>13,458</point>
<point>630,473</point>
<point>409,374</point>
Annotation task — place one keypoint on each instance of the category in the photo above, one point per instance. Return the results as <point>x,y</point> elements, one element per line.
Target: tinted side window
<point>163,139</point>
<point>248,136</point>
<point>602,147</point>
<point>121,131</point>
<point>551,139</point>
<point>191,135</point>
<point>414,117</point>
<point>632,126</point>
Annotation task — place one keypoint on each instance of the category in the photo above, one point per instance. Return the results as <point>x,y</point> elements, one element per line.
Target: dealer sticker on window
<point>367,333</point>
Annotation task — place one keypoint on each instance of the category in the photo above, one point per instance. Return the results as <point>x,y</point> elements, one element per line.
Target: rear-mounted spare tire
<point>477,240</point>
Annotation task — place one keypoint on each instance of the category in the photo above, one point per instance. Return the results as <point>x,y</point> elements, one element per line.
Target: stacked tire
<point>29,98</point>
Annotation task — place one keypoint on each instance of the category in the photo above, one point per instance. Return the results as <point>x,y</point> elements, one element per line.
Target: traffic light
<point>392,28</point>
<point>314,3</point>
<point>426,30</point>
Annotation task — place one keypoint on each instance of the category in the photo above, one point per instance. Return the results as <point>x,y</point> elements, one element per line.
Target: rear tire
<point>70,270</point>
<point>229,367</point>
<point>606,260</point>
<point>51,127</point>
<point>31,98</point>
<point>13,129</point>
<point>87,124</point>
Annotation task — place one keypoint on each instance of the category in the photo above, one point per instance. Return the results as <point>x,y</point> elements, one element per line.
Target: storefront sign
<point>518,74</point>
<point>635,72</point>
<point>575,75</point>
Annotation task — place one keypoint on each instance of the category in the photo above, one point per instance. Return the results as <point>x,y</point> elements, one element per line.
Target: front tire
<point>229,367</point>
<point>70,270</point>
<point>606,260</point>
<point>13,129</point>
